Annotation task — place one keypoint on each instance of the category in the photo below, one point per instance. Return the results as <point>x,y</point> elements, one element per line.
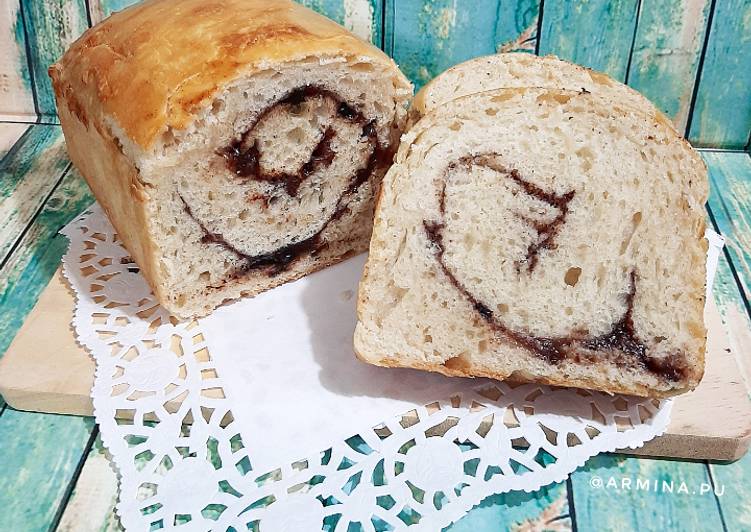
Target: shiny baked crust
<point>139,65</point>
<point>155,68</point>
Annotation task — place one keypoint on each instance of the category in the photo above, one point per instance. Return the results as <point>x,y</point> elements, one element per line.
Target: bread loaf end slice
<point>540,235</point>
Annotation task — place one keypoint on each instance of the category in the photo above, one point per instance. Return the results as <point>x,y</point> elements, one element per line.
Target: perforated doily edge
<point>633,438</point>
<point>107,437</point>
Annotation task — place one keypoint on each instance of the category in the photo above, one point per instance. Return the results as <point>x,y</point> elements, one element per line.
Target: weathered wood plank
<point>51,27</point>
<point>594,33</point>
<point>607,496</point>
<point>425,37</point>
<point>735,317</point>
<point>667,47</point>
<point>91,507</point>
<point>733,489</point>
<point>16,96</point>
<point>37,256</point>
<point>40,452</point>
<point>9,135</point>
<point>722,111</point>
<point>101,9</point>
<point>544,509</point>
<point>731,480</point>
<point>28,120</point>
<point>362,17</point>
<point>516,25</point>
<point>27,175</point>
<point>40,455</point>
<point>730,207</point>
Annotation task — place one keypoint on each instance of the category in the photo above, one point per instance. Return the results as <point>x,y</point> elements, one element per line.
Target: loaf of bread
<point>515,70</point>
<point>543,235</point>
<point>234,144</point>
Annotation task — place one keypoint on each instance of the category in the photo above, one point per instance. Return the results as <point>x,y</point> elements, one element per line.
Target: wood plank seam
<point>58,458</point>
<point>633,42</point>
<point>720,150</point>
<point>39,209</point>
<point>17,145</point>
<point>716,498</point>
<point>88,13</point>
<point>570,497</point>
<point>74,478</point>
<point>700,68</point>
<point>383,26</point>
<point>731,264</point>
<point>539,28</point>
<point>389,8</point>
<point>732,244</point>
<point>37,122</point>
<point>722,109</point>
<point>29,59</point>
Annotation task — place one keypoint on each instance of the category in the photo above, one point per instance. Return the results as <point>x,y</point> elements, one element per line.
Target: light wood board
<point>45,370</point>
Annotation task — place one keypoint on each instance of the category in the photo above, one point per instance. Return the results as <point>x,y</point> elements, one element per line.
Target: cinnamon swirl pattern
<point>277,191</point>
<point>540,235</point>
<point>621,343</point>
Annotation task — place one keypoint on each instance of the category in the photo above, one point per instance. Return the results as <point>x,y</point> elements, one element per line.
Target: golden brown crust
<point>155,64</point>
<point>95,153</point>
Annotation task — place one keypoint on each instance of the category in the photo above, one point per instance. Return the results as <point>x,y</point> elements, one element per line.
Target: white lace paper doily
<point>275,427</point>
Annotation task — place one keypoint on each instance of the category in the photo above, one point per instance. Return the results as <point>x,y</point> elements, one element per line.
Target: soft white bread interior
<point>235,144</point>
<point>514,70</point>
<point>540,235</point>
<point>276,182</point>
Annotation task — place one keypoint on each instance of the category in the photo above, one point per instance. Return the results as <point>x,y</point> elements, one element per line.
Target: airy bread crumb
<point>540,235</point>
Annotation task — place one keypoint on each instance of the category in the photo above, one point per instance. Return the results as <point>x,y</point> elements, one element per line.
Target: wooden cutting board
<point>45,370</point>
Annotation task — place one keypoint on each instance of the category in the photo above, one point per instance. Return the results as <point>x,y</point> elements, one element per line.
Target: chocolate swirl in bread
<point>621,343</point>
<point>244,161</point>
<point>540,235</point>
<point>244,155</point>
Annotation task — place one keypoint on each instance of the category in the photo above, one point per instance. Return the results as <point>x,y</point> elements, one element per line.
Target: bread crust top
<point>156,65</point>
<point>438,91</point>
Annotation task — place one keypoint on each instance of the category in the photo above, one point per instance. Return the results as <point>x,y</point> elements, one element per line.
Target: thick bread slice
<point>517,70</point>
<point>234,144</point>
<point>540,235</point>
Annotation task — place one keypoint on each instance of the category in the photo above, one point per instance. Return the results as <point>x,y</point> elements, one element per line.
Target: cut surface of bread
<point>235,145</point>
<point>518,70</point>
<point>540,235</point>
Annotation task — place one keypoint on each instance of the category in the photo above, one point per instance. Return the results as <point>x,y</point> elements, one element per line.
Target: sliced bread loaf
<point>540,235</point>
<point>235,145</point>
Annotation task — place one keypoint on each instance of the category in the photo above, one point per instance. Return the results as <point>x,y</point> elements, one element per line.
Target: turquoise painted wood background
<point>691,57</point>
